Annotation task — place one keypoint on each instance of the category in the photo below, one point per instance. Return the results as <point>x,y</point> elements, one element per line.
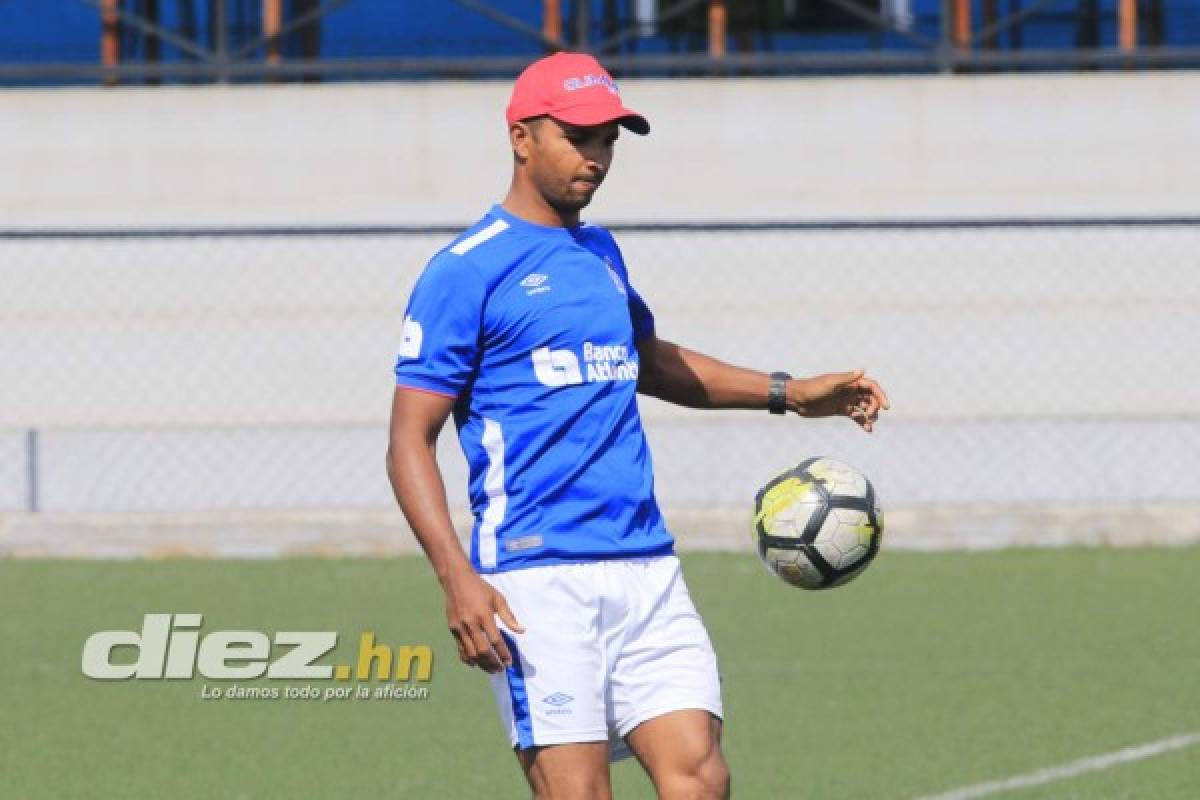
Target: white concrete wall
<point>763,148</point>
<point>1028,367</point>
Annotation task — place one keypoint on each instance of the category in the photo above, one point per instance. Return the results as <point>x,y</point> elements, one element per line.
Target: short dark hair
<point>535,122</point>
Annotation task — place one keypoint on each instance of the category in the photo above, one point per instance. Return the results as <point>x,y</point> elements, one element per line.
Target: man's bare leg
<point>682,752</point>
<point>568,771</point>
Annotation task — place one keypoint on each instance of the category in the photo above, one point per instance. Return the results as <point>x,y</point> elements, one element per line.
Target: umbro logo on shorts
<point>557,699</point>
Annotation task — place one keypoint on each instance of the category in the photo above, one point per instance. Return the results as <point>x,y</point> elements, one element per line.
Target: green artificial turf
<point>930,672</point>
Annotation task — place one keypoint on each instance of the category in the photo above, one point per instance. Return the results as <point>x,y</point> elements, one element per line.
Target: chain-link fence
<point>1027,364</point>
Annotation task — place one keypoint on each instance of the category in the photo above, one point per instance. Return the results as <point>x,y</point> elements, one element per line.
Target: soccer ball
<point>817,525</point>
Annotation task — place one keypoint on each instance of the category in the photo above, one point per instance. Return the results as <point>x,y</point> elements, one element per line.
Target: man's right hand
<point>472,605</point>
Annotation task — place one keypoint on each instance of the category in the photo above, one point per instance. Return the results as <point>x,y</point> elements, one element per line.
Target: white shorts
<point>607,645</point>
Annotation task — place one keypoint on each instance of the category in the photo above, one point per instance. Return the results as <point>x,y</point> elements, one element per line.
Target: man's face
<point>565,162</point>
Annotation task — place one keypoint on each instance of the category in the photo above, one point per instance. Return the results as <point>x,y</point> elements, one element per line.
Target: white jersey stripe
<point>479,237</point>
<point>493,487</point>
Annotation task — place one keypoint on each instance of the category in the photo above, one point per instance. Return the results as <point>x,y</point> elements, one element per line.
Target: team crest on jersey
<point>616,278</point>
<point>535,283</point>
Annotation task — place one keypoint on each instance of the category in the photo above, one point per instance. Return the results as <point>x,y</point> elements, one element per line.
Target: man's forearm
<point>418,486</point>
<point>472,605</point>
<point>692,379</point>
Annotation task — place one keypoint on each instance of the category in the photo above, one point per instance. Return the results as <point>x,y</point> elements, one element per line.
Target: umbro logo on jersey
<point>534,283</point>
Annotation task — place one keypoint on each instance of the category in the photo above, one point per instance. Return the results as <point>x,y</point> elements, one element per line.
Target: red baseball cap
<point>573,88</point>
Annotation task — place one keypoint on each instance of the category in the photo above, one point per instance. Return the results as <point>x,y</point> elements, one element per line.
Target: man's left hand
<point>839,394</point>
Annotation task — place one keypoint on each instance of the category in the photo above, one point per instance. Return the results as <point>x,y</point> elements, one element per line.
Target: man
<point>528,330</point>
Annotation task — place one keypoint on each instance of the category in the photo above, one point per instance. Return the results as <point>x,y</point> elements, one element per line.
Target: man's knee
<point>581,786</point>
<point>713,776</point>
<point>570,772</point>
<point>717,777</point>
<point>703,779</point>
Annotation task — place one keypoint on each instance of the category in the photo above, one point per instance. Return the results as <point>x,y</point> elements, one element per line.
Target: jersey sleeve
<point>639,312</point>
<point>439,344</point>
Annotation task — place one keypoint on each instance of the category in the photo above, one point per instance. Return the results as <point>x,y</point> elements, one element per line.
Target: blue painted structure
<point>36,31</point>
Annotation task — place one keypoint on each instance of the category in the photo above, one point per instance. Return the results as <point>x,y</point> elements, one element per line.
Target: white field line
<point>1071,769</point>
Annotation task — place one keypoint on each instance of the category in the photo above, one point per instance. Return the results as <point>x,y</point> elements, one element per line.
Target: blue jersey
<point>533,330</point>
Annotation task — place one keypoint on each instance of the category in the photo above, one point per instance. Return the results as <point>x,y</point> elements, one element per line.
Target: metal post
<point>718,24</point>
<point>272,22</point>
<point>219,42</point>
<point>1127,25</point>
<point>962,24</point>
<point>989,18</point>
<point>110,38</point>
<point>944,54</point>
<point>33,490</point>
<point>153,43</point>
<point>552,20</point>
<point>583,16</point>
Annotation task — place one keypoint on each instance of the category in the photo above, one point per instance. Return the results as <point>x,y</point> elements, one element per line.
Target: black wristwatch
<point>777,393</point>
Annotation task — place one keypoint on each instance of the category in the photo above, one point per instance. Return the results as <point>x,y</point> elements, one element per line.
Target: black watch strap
<point>777,393</point>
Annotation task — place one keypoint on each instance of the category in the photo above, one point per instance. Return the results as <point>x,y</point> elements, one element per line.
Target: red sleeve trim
<point>426,391</point>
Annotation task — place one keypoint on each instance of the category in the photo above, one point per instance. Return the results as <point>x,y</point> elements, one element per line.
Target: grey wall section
<point>1027,366</point>
<point>763,148</point>
<point>258,534</point>
<point>295,330</point>
<point>1032,369</point>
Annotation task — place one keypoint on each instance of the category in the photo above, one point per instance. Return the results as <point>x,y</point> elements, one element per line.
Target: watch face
<point>777,393</point>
